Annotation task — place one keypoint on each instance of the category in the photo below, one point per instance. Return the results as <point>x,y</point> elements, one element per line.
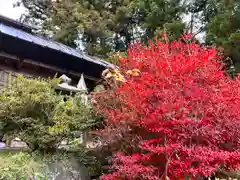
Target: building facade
<point>24,52</point>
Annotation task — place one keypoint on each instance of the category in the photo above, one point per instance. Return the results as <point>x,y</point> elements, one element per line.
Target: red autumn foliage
<point>183,108</point>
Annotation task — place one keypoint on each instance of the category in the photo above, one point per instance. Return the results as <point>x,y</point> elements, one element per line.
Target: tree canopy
<point>175,116</point>
<point>99,27</point>
<point>224,30</point>
<point>104,26</point>
<point>31,110</point>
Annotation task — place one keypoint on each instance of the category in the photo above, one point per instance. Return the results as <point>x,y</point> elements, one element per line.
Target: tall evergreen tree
<point>102,26</point>
<point>224,30</point>
<point>38,10</point>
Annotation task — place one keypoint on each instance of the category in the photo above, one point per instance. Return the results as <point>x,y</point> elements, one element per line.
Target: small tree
<point>178,118</point>
<point>33,111</point>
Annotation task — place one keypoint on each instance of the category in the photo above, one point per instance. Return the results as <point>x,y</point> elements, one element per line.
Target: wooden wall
<point>7,69</point>
<point>3,78</point>
<point>28,68</point>
<point>14,67</point>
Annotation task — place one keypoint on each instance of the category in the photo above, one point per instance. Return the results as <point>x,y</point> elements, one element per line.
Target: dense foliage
<point>224,30</point>
<point>103,26</point>
<point>100,27</point>
<point>38,11</point>
<point>33,111</point>
<point>65,165</point>
<point>177,118</point>
<point>21,166</point>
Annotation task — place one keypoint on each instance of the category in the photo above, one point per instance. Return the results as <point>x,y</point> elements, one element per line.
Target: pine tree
<point>224,30</point>
<point>103,26</point>
<point>38,10</point>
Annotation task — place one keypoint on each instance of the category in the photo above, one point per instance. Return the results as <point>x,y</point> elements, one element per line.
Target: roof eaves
<point>44,42</point>
<point>17,24</point>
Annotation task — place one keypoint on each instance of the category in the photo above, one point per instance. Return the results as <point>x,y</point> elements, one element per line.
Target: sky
<point>7,9</point>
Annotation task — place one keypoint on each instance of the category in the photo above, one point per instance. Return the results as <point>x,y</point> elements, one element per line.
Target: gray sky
<point>7,9</point>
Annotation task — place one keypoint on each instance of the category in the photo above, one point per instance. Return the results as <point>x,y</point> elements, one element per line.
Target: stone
<point>18,144</point>
<point>67,170</point>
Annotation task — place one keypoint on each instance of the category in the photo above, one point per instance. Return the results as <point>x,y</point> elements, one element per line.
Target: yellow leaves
<point>116,74</point>
<point>135,72</point>
<point>120,78</point>
<point>113,73</point>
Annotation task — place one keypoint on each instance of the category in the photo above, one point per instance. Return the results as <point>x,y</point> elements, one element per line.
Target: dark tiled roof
<point>18,33</point>
<point>16,24</point>
<point>19,40</point>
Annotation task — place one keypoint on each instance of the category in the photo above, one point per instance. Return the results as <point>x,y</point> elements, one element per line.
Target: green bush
<point>33,111</point>
<point>21,166</point>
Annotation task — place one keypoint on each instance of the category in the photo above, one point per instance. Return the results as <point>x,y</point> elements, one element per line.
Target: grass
<point>20,165</point>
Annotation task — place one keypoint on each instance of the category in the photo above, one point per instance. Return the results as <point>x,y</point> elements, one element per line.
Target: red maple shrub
<point>181,112</point>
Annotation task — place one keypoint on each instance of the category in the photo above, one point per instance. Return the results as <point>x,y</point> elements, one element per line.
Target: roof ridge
<point>17,23</point>
<point>50,43</point>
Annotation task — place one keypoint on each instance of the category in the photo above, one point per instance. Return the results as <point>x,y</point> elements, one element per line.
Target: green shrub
<point>21,166</point>
<point>33,111</point>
